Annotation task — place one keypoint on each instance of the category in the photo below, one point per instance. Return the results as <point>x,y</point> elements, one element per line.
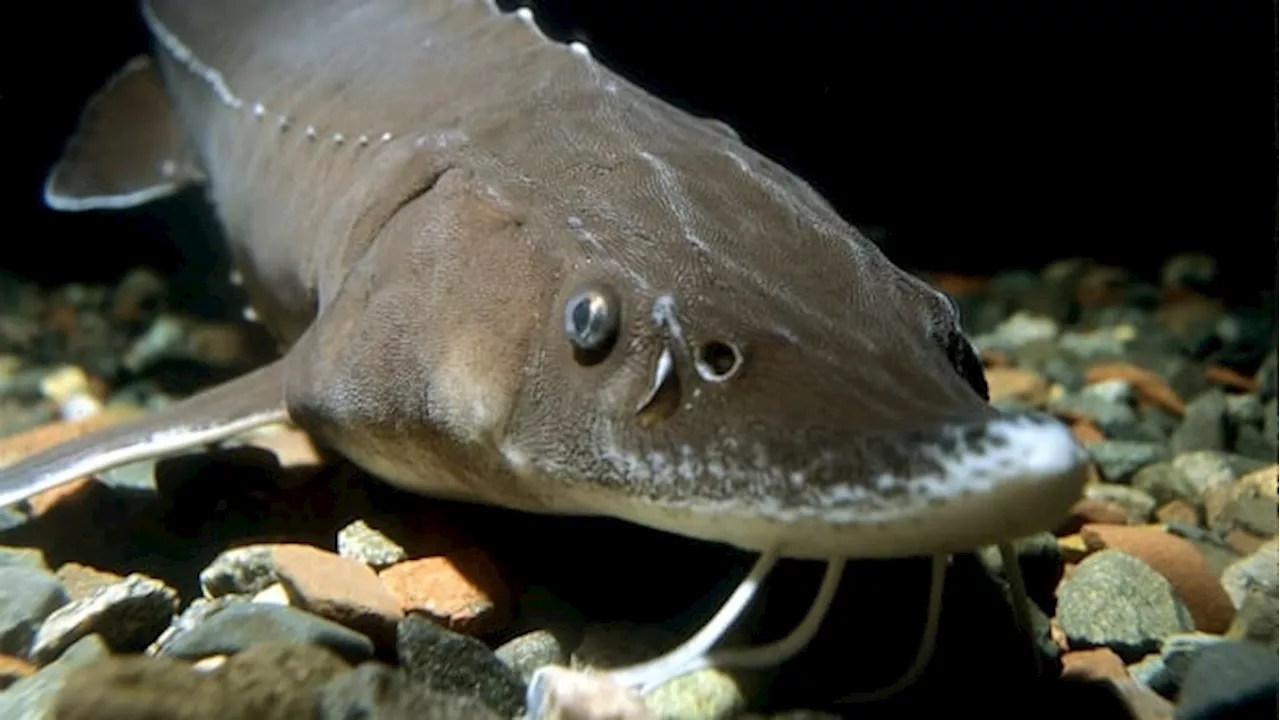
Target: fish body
<point>505,274</point>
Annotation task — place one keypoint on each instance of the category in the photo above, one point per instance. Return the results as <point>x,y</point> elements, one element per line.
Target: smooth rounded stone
<point>1249,504</point>
<point>1165,671</point>
<point>1257,620</point>
<point>1165,483</point>
<point>127,615</point>
<point>1208,469</point>
<point>1102,344</point>
<point>194,614</point>
<point>360,542</point>
<point>340,589</point>
<point>27,597</point>
<point>237,626</point>
<point>266,681</point>
<point>1257,572</point>
<point>34,697</point>
<point>1017,331</point>
<point>444,661</point>
<point>1138,504</point>
<point>1231,679</point>
<point>245,570</point>
<point>708,694</point>
<point>1112,417</point>
<point>1059,371</point>
<point>530,651</point>
<point>1118,460</point>
<point>28,557</point>
<point>1117,601</point>
<point>374,690</point>
<point>1205,426</point>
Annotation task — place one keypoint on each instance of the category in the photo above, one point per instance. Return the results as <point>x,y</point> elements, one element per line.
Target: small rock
<point>28,557</point>
<point>81,581</point>
<point>241,571</point>
<point>1248,504</point>
<point>1205,426</point>
<point>194,614</point>
<point>1092,510</point>
<point>1179,562</point>
<point>1257,572</point>
<point>1147,384</point>
<point>461,589</point>
<point>126,615</point>
<point>1166,484</point>
<point>1178,511</point>
<point>1009,383</point>
<point>1093,664</point>
<point>710,693</point>
<point>1115,419</point>
<point>377,691</point>
<point>361,542</point>
<point>1208,469</point>
<point>1118,460</point>
<point>340,589</point>
<point>1115,600</point>
<point>233,627</point>
<point>1232,679</point>
<point>1138,505</point>
<point>1164,672</point>
<point>1257,619</point>
<point>27,597</point>
<point>34,697</point>
<point>447,662</point>
<point>526,653</point>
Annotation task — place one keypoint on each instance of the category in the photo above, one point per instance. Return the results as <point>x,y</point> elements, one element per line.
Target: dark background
<point>979,135</point>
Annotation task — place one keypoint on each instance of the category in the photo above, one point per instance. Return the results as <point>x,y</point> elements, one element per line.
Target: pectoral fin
<point>127,150</point>
<point>250,401</point>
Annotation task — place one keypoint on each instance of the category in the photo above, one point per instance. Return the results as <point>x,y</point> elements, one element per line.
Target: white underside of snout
<point>1023,481</point>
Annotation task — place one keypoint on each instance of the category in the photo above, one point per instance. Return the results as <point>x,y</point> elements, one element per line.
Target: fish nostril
<point>718,361</point>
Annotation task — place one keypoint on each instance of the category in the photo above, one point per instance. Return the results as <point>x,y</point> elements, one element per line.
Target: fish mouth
<point>951,488</point>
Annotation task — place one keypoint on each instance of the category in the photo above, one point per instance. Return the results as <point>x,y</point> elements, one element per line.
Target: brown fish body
<point>506,274</point>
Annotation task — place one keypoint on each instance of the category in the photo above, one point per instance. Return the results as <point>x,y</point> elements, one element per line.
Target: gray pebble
<point>127,615</point>
<point>27,597</point>
<point>33,698</point>
<point>1205,425</point>
<point>245,570</point>
<point>1113,417</point>
<point>1165,671</point>
<point>239,625</point>
<point>1210,469</point>
<point>1232,679</point>
<point>374,690</point>
<point>1138,504</point>
<point>360,542</point>
<point>1118,460</point>
<point>193,615</point>
<point>444,661</point>
<point>1115,600</point>
<point>1256,573</point>
<point>526,653</point>
<point>1094,345</point>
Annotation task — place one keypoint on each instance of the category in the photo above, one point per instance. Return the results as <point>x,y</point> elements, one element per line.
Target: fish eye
<point>592,317</point>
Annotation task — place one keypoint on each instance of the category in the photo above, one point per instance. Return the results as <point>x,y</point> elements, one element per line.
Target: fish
<point>502,273</point>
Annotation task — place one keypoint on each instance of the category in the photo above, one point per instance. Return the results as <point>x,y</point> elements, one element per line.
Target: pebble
<point>462,589</point>
<point>447,662</point>
<point>1164,671</point>
<point>1138,506</point>
<point>27,597</point>
<point>1205,426</point>
<point>1255,573</point>
<point>530,651</point>
<point>340,589</point>
<point>1179,562</point>
<point>361,542</point>
<point>82,581</point>
<point>1115,600</point>
<point>1118,460</point>
<point>127,615</point>
<point>230,628</point>
<point>1249,504</point>
<point>243,570</point>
